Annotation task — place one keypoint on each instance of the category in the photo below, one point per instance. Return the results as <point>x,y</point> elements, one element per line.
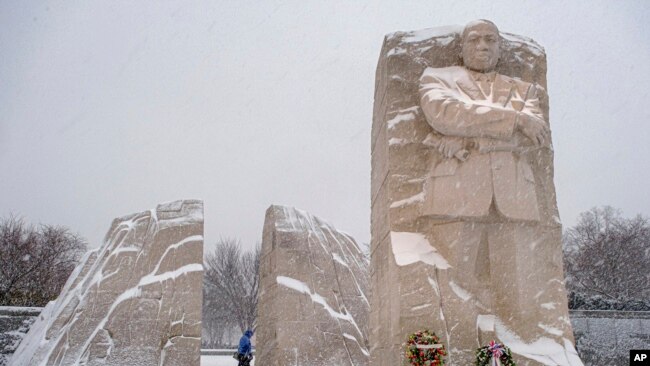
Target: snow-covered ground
<point>220,361</point>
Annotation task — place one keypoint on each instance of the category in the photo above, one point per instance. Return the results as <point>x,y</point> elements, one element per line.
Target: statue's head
<point>481,45</point>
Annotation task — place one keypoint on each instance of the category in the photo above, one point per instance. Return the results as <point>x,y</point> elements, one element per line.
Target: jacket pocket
<point>445,167</point>
<point>526,171</point>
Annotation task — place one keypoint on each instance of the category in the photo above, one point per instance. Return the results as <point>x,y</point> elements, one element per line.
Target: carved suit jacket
<point>484,114</point>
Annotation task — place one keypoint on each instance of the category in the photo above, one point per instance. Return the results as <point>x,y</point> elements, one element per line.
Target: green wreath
<point>485,354</point>
<point>423,348</point>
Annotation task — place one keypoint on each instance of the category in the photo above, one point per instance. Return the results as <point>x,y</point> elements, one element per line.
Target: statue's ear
<point>500,49</point>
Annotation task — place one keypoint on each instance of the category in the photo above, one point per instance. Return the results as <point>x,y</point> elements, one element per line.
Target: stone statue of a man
<point>494,118</point>
<point>483,197</point>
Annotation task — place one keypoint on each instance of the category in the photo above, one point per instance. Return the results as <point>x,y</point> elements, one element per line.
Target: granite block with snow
<point>136,300</point>
<point>313,305</point>
<point>468,245</point>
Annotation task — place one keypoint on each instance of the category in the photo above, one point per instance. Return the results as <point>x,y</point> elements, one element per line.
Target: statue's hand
<point>534,128</point>
<point>450,145</point>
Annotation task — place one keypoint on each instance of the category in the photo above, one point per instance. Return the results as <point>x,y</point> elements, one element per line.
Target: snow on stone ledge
<point>410,248</point>
<point>427,33</point>
<point>545,350</point>
<point>445,35</point>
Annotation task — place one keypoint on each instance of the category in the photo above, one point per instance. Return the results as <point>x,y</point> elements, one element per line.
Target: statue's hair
<point>476,22</point>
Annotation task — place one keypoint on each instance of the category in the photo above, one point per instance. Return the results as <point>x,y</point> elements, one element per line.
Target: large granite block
<point>312,307</point>
<point>136,300</point>
<point>462,181</point>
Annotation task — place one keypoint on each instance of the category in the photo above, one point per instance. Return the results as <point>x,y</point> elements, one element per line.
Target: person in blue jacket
<point>245,350</point>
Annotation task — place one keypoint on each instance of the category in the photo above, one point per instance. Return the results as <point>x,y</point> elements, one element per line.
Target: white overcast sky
<point>110,107</point>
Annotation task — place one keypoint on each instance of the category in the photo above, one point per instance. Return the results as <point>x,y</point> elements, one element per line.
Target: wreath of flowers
<point>498,352</point>
<point>423,348</point>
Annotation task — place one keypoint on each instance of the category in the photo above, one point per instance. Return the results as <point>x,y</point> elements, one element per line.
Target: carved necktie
<point>484,83</point>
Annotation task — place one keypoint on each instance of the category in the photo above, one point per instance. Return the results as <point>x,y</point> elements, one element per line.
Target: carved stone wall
<point>312,307</point>
<point>136,300</point>
<point>413,285</point>
<point>14,324</point>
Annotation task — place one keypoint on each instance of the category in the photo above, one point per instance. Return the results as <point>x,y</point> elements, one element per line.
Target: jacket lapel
<point>468,86</point>
<point>504,91</point>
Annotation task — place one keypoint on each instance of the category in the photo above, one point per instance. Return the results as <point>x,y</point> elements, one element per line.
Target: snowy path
<point>220,361</point>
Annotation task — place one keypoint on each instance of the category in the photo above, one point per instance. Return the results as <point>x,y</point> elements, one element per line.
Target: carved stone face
<point>481,46</point>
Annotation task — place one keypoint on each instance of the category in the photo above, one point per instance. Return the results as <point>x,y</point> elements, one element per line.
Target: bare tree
<point>216,321</point>
<point>233,275</point>
<point>35,262</point>
<point>607,257</point>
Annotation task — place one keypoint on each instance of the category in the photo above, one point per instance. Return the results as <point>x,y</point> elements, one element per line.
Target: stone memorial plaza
<point>466,241</point>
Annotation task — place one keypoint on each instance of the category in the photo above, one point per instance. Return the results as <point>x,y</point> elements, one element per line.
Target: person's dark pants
<point>244,360</point>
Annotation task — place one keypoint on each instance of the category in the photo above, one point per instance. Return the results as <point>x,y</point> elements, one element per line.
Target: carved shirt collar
<point>479,76</point>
